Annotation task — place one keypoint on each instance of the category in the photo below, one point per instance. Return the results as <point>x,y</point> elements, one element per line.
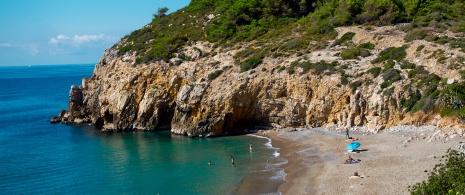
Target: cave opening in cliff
<point>166,117</point>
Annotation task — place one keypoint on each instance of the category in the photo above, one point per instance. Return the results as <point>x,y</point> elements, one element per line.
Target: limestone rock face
<point>184,97</point>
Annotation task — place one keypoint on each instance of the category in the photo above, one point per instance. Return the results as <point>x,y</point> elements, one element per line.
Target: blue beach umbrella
<point>353,145</point>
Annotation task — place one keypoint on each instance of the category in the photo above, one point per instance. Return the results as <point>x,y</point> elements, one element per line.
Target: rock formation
<point>208,95</point>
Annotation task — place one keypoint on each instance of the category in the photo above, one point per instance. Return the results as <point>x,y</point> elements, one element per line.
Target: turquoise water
<point>37,157</point>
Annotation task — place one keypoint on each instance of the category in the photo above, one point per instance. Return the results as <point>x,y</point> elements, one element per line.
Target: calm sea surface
<point>37,157</point>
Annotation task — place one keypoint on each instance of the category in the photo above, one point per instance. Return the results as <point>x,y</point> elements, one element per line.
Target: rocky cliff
<point>203,92</point>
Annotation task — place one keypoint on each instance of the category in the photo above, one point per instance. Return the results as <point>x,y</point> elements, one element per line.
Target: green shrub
<point>344,38</point>
<point>374,71</point>
<point>391,53</point>
<point>294,44</point>
<point>184,57</point>
<point>462,74</point>
<point>369,28</point>
<point>215,74</point>
<point>354,85</point>
<point>138,61</point>
<point>457,90</point>
<point>415,34</point>
<point>410,102</point>
<point>361,50</point>
<point>367,45</point>
<point>428,79</point>
<point>425,104</point>
<point>431,38</point>
<point>277,54</point>
<point>351,53</point>
<point>419,70</point>
<point>290,71</point>
<point>447,177</point>
<point>390,76</point>
<point>123,50</point>
<point>250,63</point>
<point>420,47</point>
<point>323,66</point>
<point>246,53</point>
<point>318,67</point>
<point>407,65</point>
<point>354,53</point>
<point>322,27</point>
<point>388,66</point>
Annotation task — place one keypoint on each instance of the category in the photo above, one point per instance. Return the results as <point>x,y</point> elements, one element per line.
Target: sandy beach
<point>390,160</point>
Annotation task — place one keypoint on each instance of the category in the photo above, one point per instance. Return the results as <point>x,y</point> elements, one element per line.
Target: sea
<point>37,157</point>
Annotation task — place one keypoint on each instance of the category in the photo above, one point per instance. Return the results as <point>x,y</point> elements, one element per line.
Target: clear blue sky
<point>70,31</point>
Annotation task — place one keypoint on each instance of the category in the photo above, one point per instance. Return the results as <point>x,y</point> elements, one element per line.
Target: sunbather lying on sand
<point>350,160</point>
<point>356,175</point>
<point>352,139</point>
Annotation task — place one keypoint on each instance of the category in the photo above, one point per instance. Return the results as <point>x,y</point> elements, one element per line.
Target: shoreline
<point>393,160</point>
<point>266,177</point>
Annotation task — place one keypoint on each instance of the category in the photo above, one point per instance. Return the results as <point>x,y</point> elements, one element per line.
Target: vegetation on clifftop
<point>223,21</point>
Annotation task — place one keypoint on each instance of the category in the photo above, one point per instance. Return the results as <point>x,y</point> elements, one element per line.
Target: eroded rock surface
<point>184,97</point>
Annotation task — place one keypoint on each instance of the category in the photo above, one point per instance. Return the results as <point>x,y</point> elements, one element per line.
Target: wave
<point>268,144</point>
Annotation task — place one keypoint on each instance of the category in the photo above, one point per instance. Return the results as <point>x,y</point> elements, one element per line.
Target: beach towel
<point>351,162</point>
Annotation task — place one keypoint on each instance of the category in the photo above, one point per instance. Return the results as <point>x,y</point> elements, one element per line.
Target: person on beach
<point>349,160</point>
<point>347,132</point>
<point>356,175</point>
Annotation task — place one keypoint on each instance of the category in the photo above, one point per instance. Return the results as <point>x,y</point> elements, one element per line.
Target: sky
<point>46,32</point>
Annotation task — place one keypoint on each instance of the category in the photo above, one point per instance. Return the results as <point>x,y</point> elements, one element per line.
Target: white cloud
<point>63,44</point>
<point>62,37</point>
<point>6,45</point>
<point>32,48</point>
<point>88,38</point>
<point>58,39</point>
<point>76,40</point>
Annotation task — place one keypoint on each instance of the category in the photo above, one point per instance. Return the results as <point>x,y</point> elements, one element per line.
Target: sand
<point>390,161</point>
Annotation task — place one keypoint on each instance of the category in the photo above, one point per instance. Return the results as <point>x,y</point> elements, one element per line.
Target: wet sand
<point>390,161</point>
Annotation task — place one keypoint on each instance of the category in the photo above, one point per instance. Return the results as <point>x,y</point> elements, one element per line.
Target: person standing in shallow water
<point>347,132</point>
<point>250,146</point>
<point>232,160</point>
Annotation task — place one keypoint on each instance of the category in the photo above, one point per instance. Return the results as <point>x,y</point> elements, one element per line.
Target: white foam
<point>279,173</point>
<point>273,165</point>
<point>268,144</point>
<point>276,153</point>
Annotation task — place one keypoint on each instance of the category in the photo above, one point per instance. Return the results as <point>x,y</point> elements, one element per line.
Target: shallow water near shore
<point>37,157</point>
